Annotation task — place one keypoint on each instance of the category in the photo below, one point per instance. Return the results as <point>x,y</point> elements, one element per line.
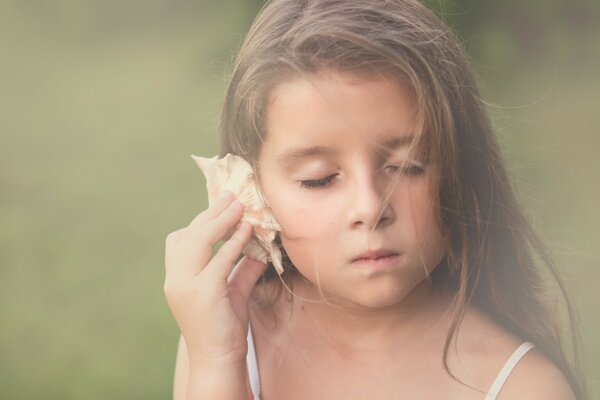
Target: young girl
<point>410,271</point>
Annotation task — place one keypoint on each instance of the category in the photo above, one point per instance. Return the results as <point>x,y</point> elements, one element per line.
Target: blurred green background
<point>103,101</point>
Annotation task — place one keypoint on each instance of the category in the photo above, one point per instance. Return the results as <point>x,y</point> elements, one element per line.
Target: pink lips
<point>379,258</point>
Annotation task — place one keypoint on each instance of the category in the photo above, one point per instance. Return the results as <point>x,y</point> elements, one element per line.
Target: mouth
<point>376,256</point>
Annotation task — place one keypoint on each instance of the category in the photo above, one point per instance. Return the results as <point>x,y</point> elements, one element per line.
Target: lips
<point>375,254</point>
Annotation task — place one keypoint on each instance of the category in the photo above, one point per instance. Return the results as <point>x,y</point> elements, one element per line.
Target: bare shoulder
<point>489,346</point>
<point>537,378</point>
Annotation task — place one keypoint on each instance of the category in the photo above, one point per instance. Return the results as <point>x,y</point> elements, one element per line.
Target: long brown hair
<point>494,256</point>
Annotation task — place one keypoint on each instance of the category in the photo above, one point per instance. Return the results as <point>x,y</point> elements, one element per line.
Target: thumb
<point>245,275</point>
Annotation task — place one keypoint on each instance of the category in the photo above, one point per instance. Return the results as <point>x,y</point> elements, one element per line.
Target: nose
<point>370,206</point>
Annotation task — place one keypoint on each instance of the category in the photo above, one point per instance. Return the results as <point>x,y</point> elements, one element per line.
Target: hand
<point>209,305</point>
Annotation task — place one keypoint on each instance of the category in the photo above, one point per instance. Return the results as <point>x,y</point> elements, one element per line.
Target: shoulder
<point>489,346</point>
<point>535,377</point>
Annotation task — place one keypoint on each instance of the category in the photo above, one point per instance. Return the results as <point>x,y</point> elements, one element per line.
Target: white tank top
<point>492,393</point>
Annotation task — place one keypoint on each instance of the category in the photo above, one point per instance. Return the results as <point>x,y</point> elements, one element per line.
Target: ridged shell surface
<point>234,174</point>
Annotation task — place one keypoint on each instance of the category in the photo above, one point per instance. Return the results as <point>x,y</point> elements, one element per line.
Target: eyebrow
<point>294,156</point>
<point>399,141</point>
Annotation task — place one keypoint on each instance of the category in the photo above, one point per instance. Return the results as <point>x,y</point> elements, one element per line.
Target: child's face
<point>341,182</point>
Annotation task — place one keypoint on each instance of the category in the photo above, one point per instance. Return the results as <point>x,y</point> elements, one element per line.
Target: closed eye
<point>407,170</point>
<point>316,183</point>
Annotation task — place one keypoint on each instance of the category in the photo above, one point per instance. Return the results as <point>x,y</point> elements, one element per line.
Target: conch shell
<point>235,174</point>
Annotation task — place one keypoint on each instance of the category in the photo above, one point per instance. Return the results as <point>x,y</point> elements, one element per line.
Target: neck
<point>417,319</point>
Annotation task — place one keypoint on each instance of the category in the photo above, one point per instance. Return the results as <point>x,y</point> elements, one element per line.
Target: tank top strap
<point>507,369</point>
<point>252,367</point>
<point>513,360</point>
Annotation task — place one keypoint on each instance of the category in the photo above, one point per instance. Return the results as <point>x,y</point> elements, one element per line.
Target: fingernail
<point>235,205</point>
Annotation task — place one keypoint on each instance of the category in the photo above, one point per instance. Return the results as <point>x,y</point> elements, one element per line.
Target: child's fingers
<point>171,242</point>
<point>174,238</point>
<point>245,274</point>
<point>215,229</point>
<point>196,246</point>
<point>213,211</point>
<point>223,261</point>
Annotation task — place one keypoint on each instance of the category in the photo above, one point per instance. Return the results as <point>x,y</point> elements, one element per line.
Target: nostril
<point>373,218</point>
<point>369,200</point>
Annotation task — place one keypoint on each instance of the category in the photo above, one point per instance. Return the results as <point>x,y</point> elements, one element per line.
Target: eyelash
<point>316,183</point>
<point>409,170</point>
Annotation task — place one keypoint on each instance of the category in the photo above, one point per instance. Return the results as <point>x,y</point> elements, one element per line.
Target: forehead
<point>337,111</point>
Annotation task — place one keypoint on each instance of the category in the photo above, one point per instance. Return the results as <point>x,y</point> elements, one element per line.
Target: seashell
<point>236,175</point>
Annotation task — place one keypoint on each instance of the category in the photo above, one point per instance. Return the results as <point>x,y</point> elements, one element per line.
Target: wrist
<point>204,358</point>
<point>217,381</point>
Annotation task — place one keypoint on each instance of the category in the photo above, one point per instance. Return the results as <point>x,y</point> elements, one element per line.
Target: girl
<point>409,269</point>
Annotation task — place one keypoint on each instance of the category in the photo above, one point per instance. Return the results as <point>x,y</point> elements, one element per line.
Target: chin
<point>392,293</point>
<point>378,298</point>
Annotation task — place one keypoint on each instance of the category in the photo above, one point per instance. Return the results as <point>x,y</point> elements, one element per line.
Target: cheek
<point>305,222</point>
<point>304,236</point>
<point>300,216</point>
<point>426,234</point>
<point>433,246</point>
<point>309,231</point>
<point>432,242</point>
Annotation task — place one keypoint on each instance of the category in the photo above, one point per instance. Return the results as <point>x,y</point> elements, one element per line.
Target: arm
<point>208,296</point>
<point>198,384</point>
<point>182,371</point>
<point>536,378</point>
